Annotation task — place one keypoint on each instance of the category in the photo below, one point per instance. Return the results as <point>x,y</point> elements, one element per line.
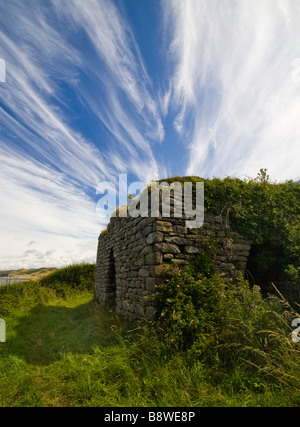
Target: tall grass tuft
<point>76,276</point>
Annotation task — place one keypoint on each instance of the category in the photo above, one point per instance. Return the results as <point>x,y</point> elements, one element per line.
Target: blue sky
<point>150,88</point>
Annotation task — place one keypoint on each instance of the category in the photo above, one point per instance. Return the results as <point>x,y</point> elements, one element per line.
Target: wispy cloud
<point>118,91</point>
<point>63,58</point>
<point>45,211</point>
<point>235,101</point>
<point>125,102</point>
<point>31,116</point>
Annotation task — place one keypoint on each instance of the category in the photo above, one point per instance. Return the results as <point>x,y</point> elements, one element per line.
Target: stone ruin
<point>132,253</point>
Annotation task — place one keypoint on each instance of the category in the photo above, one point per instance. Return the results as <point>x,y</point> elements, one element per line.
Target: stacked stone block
<point>132,252</point>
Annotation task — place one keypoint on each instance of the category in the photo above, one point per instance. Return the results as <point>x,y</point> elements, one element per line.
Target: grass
<point>63,349</point>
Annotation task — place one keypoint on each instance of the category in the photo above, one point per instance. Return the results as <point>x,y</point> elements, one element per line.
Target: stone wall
<point>131,253</point>
<point>125,264</point>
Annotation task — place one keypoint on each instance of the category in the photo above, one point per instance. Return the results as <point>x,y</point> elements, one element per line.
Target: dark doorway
<point>111,289</point>
<point>263,267</point>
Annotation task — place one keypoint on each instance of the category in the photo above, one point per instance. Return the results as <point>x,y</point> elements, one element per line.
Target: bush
<point>265,212</point>
<point>193,307</point>
<point>75,276</point>
<point>22,296</point>
<point>226,325</point>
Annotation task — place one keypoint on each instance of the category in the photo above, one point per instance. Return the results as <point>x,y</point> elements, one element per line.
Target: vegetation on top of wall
<point>268,213</point>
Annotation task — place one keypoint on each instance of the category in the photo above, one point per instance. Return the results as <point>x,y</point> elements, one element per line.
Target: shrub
<point>226,325</point>
<point>265,212</point>
<point>22,296</point>
<point>75,276</point>
<point>193,304</point>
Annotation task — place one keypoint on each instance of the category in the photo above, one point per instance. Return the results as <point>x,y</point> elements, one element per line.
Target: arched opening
<point>111,289</point>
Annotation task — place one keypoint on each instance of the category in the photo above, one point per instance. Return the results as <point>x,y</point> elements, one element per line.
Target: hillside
<point>30,273</point>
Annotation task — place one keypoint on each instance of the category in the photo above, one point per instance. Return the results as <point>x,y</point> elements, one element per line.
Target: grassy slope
<point>65,351</point>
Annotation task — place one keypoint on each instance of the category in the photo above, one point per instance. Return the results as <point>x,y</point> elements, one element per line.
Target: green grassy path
<point>42,342</point>
<point>68,352</point>
<point>43,333</point>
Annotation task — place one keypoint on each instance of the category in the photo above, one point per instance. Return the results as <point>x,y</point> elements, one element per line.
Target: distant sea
<point>10,280</point>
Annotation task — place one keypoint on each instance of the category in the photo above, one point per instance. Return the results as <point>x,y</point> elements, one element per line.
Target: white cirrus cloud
<point>43,210</point>
<point>235,100</point>
<point>63,58</point>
